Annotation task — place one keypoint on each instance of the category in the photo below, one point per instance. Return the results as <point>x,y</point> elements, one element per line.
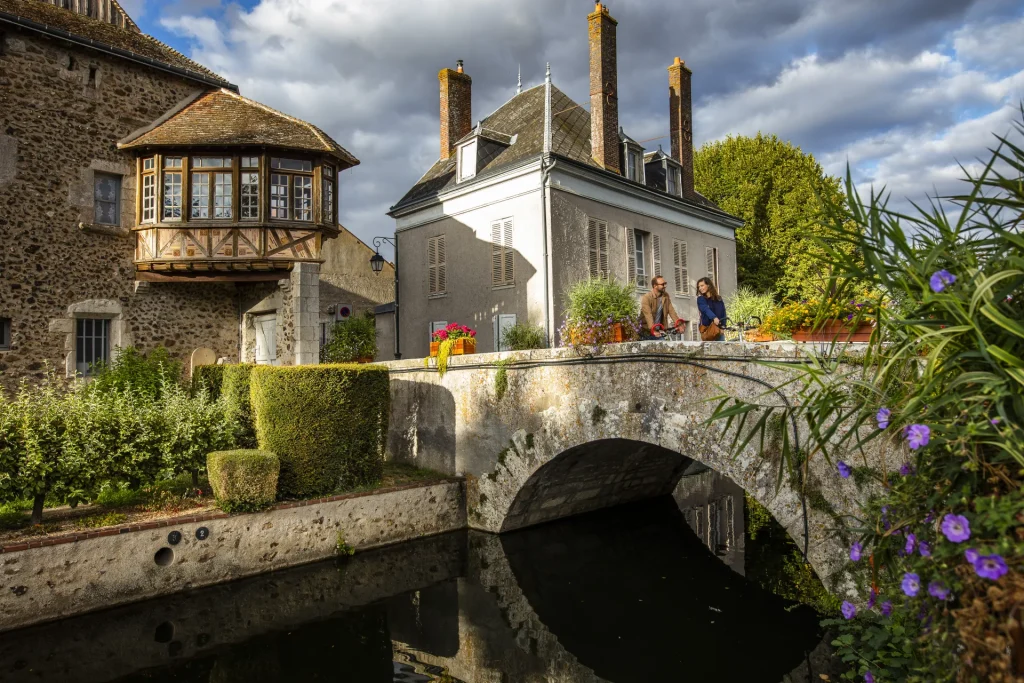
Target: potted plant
<point>600,312</point>
<point>751,308</point>
<point>352,341</point>
<point>826,321</point>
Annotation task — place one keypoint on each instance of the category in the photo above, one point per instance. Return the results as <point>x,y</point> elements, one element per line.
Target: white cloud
<point>999,45</point>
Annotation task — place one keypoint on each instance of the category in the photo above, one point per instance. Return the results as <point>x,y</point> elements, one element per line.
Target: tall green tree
<point>777,189</point>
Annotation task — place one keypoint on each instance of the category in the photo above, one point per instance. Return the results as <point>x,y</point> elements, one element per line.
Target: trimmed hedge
<point>327,423</point>
<point>243,480</point>
<point>238,405</point>
<point>209,377</point>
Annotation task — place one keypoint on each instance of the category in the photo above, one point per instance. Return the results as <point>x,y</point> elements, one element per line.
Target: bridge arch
<point>571,434</point>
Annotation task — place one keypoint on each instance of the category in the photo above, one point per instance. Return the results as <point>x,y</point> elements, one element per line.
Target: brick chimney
<point>456,107</point>
<point>604,89</point>
<point>681,120</point>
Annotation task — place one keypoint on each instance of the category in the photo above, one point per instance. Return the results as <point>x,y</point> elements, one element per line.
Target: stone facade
<point>63,109</point>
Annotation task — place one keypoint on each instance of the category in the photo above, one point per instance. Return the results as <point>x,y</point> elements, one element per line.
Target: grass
<point>396,474</point>
<point>102,520</point>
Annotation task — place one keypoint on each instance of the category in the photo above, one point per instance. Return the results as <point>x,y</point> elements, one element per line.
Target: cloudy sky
<point>900,89</point>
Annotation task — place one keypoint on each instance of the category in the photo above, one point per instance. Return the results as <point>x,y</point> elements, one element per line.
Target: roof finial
<point>519,85</point>
<point>547,110</point>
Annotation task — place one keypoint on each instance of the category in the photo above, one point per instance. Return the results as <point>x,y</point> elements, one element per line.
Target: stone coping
<point>752,351</point>
<point>207,516</point>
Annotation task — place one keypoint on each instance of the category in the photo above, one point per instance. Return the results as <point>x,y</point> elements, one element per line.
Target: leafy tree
<point>777,189</point>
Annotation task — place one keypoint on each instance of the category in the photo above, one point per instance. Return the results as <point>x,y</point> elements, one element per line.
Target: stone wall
<point>62,111</point>
<point>117,566</point>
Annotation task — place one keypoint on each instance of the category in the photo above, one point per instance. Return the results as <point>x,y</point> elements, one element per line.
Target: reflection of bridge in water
<point>625,594</point>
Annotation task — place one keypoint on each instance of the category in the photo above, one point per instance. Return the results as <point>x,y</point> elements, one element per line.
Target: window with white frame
<point>597,248</point>
<point>502,255</point>
<point>211,187</point>
<point>437,266</point>
<point>149,190</point>
<point>249,184</point>
<point>107,199</point>
<point>291,189</point>
<point>92,344</point>
<point>172,189</point>
<point>673,178</point>
<point>327,192</point>
<point>467,161</point>
<point>634,166</point>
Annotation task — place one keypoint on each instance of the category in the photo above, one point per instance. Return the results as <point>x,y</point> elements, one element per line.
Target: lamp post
<point>377,264</point>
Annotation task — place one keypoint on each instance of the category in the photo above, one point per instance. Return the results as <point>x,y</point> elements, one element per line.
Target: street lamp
<point>377,264</point>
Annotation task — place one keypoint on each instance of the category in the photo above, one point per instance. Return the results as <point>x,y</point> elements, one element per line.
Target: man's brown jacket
<point>649,306</point>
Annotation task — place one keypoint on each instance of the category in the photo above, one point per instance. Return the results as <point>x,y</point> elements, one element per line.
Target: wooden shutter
<point>437,275</point>
<point>630,256</point>
<point>656,254</point>
<point>506,229</point>
<point>597,248</point>
<point>709,257</point>
<point>681,271</point>
<point>496,259</point>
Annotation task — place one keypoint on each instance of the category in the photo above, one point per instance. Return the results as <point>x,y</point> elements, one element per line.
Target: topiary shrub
<point>237,403</point>
<point>243,480</point>
<point>327,423</point>
<point>210,378</point>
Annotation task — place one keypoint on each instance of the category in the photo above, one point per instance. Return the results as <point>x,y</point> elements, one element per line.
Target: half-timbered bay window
<point>172,189</point>
<point>291,189</point>
<point>149,190</point>
<point>250,186</point>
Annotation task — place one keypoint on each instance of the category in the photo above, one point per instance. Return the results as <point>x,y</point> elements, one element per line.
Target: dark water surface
<point>621,595</point>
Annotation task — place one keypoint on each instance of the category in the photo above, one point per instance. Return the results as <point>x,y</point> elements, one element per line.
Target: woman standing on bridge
<point>712,311</point>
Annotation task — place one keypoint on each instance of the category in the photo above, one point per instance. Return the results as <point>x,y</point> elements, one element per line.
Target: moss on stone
<point>598,414</point>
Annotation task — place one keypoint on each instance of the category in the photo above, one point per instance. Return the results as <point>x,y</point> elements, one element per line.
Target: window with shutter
<point>630,256</point>
<point>710,257</point>
<point>597,246</point>
<point>682,273</point>
<point>437,276</point>
<point>502,256</point>
<point>656,255</point>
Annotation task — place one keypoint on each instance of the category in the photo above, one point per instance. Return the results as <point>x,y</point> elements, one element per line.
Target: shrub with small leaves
<point>243,480</point>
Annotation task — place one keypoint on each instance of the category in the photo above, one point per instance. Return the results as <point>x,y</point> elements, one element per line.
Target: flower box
<point>757,336</point>
<point>835,330</point>
<point>616,334</point>
<point>462,346</point>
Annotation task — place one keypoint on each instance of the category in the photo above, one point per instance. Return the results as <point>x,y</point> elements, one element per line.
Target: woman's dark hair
<point>712,290</point>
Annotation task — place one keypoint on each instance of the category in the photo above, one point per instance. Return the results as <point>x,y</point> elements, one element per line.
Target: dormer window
<point>467,161</point>
<point>674,180</point>
<point>632,159</point>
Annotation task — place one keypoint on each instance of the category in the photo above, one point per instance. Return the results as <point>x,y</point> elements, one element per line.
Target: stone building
<point>541,194</point>
<point>145,202</point>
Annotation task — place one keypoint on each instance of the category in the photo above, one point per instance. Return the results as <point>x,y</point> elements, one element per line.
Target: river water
<point>654,591</point>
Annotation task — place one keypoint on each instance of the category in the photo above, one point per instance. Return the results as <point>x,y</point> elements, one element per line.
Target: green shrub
<point>523,337</point>
<point>195,426</point>
<point>327,423</point>
<point>210,378</point>
<point>351,340</point>
<point>746,304</point>
<point>243,480</point>
<point>602,300</point>
<point>123,433</point>
<point>238,405</point>
<point>145,373</point>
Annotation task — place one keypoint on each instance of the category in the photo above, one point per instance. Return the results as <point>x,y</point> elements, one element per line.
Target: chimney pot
<point>604,85</point>
<point>456,107</point>
<point>458,65</point>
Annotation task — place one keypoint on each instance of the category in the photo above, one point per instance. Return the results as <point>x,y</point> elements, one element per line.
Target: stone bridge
<point>572,434</point>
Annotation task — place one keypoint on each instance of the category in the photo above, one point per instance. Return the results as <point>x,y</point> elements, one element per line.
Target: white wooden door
<point>266,339</point>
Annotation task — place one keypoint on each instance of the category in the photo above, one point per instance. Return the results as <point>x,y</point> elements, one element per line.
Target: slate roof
<point>103,34</point>
<point>223,118</point>
<point>523,118</point>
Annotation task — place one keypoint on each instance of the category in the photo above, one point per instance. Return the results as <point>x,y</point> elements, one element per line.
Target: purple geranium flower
<point>911,542</point>
<point>995,421</point>
<point>844,470</point>
<point>911,584</point>
<point>990,567</point>
<point>918,436</point>
<point>882,416</point>
<point>938,590</point>
<point>849,610</point>
<point>855,552</point>
<point>886,608</point>
<point>906,469</point>
<point>971,555</point>
<point>872,598</point>
<point>956,528</point>
<point>940,279</point>
<point>924,548</point>
<point>869,677</point>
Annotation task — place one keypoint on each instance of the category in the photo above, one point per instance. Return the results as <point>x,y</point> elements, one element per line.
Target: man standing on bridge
<point>656,308</point>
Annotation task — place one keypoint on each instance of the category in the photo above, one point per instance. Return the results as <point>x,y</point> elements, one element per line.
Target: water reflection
<point>646,592</point>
